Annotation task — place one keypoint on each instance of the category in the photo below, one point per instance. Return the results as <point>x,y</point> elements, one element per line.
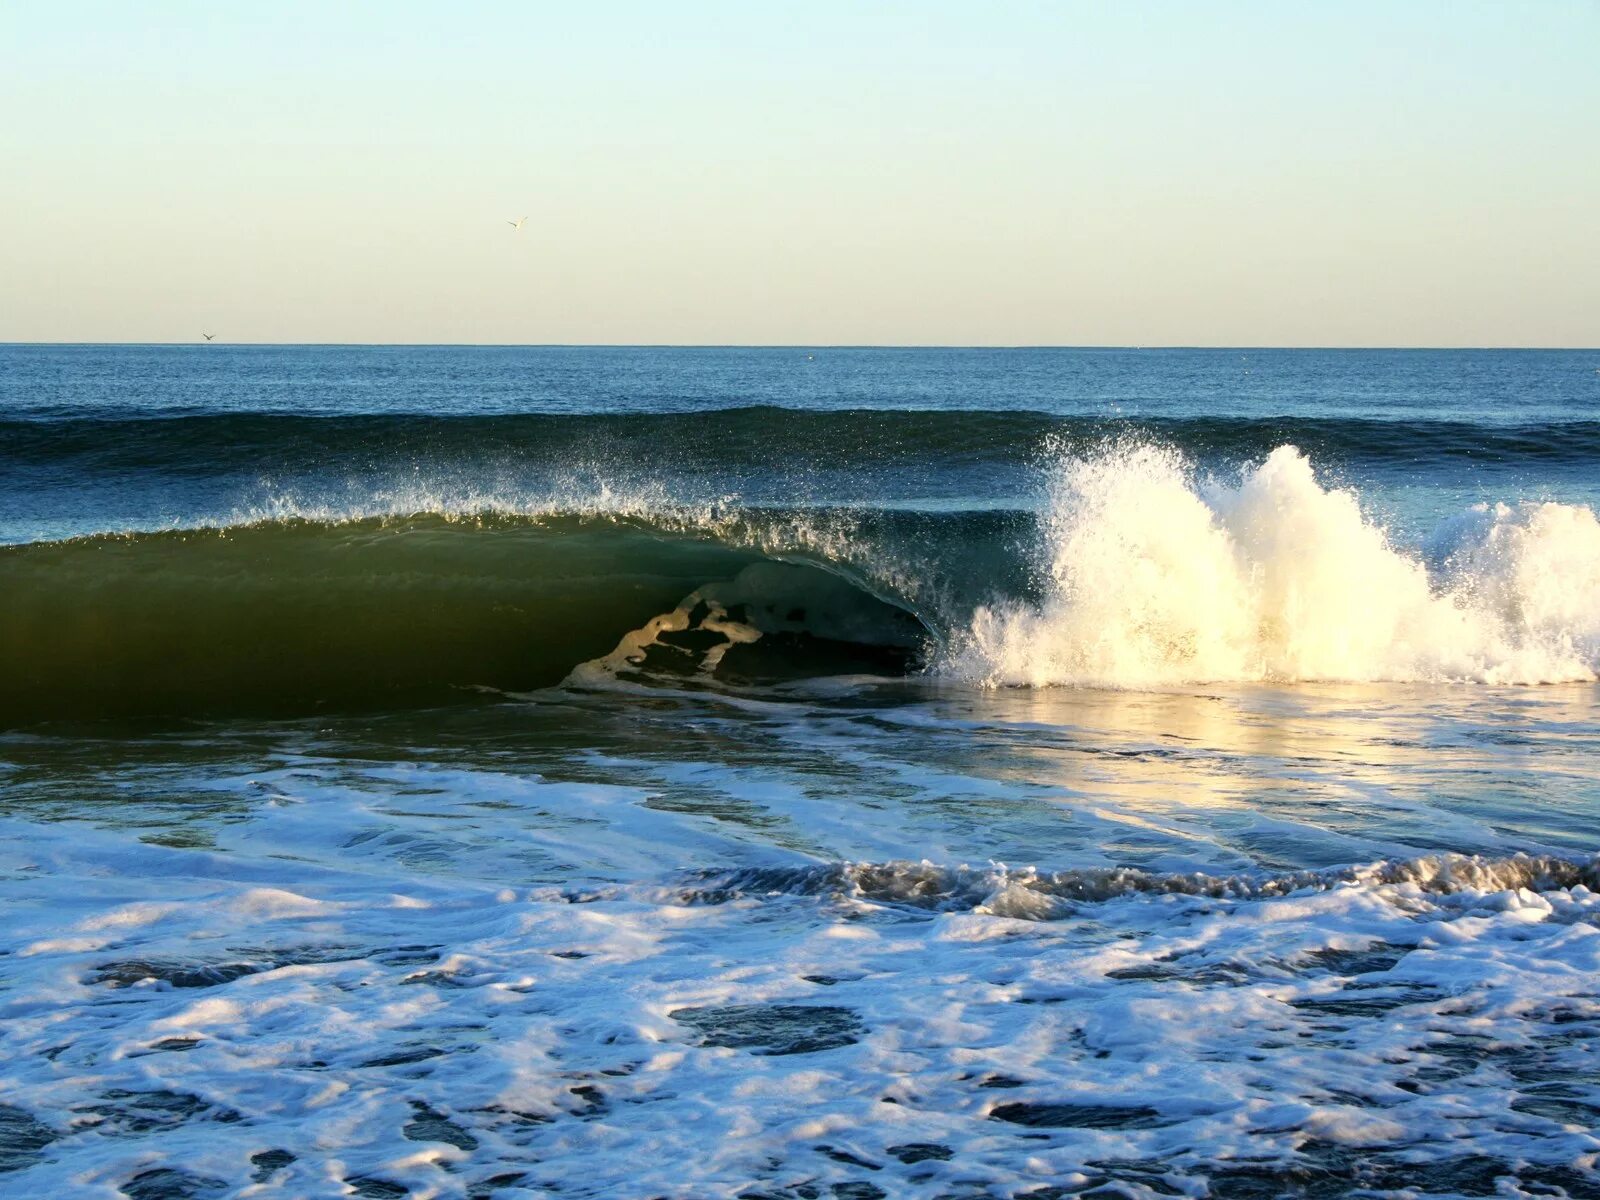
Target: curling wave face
<point>296,616</point>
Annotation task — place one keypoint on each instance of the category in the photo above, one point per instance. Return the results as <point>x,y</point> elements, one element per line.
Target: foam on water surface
<point>583,932</point>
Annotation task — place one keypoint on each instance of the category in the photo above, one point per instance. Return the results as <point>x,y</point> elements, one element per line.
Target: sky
<point>998,173</point>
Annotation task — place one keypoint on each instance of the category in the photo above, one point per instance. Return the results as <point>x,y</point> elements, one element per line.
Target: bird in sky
<point>517,224</point>
<point>208,336</point>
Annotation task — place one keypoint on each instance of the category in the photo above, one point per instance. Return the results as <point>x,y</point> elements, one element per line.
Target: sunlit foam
<point>1152,577</point>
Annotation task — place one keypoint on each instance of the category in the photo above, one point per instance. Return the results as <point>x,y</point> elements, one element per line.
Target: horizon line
<point>802,346</point>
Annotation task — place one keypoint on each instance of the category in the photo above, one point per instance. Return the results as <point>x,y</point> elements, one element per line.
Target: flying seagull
<point>208,336</point>
<point>517,224</point>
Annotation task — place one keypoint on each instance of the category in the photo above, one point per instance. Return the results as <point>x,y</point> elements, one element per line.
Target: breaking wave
<point>1149,576</point>
<point>1135,572</point>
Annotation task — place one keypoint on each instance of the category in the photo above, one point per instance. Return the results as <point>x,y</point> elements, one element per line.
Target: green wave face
<point>298,617</point>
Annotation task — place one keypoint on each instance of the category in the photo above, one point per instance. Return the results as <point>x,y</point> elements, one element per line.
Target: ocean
<point>798,773</point>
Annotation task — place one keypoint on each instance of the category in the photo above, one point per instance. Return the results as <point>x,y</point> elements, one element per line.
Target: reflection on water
<point>562,929</point>
<point>1219,778</point>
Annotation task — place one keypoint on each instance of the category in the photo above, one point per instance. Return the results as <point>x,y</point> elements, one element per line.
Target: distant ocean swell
<point>1138,571</point>
<point>756,436</point>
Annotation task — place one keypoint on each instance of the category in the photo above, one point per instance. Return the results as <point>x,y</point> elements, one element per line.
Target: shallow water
<point>753,903</point>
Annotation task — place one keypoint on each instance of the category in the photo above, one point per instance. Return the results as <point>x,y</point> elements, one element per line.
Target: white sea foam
<point>368,1029</point>
<point>1153,577</point>
<point>595,947</point>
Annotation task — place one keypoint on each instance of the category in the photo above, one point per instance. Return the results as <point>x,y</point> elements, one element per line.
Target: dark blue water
<point>102,438</point>
<point>1486,387</point>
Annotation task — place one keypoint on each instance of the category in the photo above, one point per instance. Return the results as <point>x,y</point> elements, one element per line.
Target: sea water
<point>798,772</point>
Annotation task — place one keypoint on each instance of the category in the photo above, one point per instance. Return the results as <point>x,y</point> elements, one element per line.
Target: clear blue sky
<point>1419,173</point>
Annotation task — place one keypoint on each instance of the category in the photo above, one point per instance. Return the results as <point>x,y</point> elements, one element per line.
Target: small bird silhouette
<point>208,336</point>
<point>517,224</point>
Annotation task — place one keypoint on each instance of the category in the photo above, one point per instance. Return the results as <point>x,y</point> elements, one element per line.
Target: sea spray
<point>1152,576</point>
